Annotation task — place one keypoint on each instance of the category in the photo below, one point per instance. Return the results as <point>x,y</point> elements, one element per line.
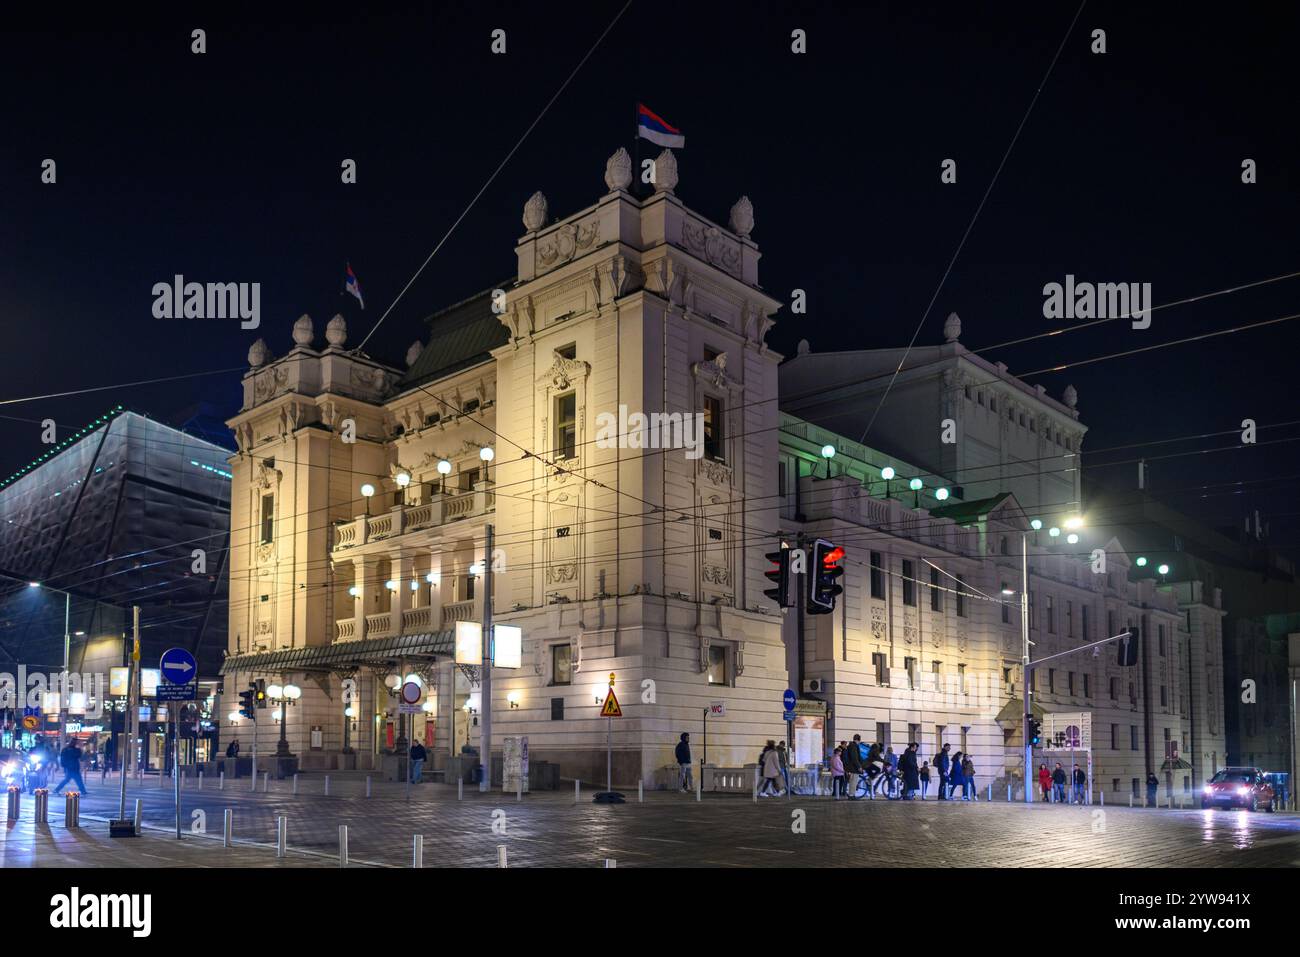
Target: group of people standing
<point>1052,783</point>
<point>852,760</point>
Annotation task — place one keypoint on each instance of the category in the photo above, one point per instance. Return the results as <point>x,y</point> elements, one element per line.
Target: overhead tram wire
<point>971,225</point>
<point>496,172</point>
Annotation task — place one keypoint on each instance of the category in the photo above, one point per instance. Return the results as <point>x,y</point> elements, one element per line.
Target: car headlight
<point>1243,791</point>
<point>1208,789</point>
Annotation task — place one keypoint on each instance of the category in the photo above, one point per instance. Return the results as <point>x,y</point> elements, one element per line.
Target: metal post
<point>139,814</point>
<point>63,690</point>
<point>485,677</point>
<point>327,785</point>
<point>266,781</point>
<point>417,853</point>
<point>610,862</point>
<point>367,785</point>
<point>41,805</point>
<point>176,765</point>
<point>227,828</point>
<point>343,845</point>
<point>128,745</point>
<point>501,855</point>
<point>221,780</point>
<point>200,780</point>
<point>754,788</point>
<point>519,782</point>
<point>699,786</point>
<point>577,790</point>
<point>1026,678</point>
<point>281,834</point>
<point>72,810</point>
<point>15,803</point>
<point>460,789</point>
<point>295,783</point>
<point>609,754</point>
<point>640,791</point>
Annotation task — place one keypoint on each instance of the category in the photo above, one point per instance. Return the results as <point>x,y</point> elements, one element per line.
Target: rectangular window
<point>1110,623</point>
<point>469,587</point>
<point>1160,630</point>
<point>566,427</point>
<point>468,479</point>
<point>1114,689</point>
<point>1051,681</point>
<point>718,665</point>
<point>878,663</point>
<point>936,596</point>
<point>1164,696</point>
<point>1051,616</point>
<point>713,447</point>
<point>1114,737</point>
<point>1006,607</point>
<point>961,597</point>
<point>1133,737</point>
<point>562,664</point>
<point>1069,619</point>
<point>961,678</point>
<point>877,575</point>
<point>909,583</point>
<point>1083,620</point>
<point>1087,686</point>
<point>268,519</point>
<point>910,665</point>
<point>1070,679</point>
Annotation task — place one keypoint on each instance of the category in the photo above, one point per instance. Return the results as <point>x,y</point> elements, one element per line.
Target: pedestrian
<point>852,767</point>
<point>1058,783</point>
<point>955,776</point>
<point>683,755</point>
<point>110,753</point>
<point>891,758</point>
<point>1045,782</point>
<point>1080,783</point>
<point>911,775</point>
<point>968,779</point>
<point>771,770</point>
<point>1153,783</point>
<point>417,756</point>
<point>837,773</point>
<point>70,761</point>
<point>943,763</point>
<point>925,779</point>
<point>232,750</point>
<point>784,757</point>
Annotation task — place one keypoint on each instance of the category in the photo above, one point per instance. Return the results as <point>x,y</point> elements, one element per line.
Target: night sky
<point>225,167</point>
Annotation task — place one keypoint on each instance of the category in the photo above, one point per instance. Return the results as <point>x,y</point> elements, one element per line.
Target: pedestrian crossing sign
<point>611,708</point>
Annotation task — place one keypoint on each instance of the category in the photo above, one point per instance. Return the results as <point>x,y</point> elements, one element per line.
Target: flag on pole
<point>650,126</point>
<point>353,286</point>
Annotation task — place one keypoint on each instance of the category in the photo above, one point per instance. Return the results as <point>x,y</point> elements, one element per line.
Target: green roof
<point>964,513</point>
<point>460,336</point>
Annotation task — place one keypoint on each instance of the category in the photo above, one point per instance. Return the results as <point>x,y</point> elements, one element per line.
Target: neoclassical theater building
<point>363,495</point>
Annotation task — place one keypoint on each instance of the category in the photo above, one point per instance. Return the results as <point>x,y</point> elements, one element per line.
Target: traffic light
<point>822,587</point>
<point>1128,649</point>
<point>247,708</point>
<point>259,692</point>
<point>1035,732</point>
<point>779,575</point>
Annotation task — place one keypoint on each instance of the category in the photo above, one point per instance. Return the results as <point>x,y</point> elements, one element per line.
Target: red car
<point>1238,787</point>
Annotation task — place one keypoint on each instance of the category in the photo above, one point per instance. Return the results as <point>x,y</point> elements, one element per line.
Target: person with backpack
<point>968,779</point>
<point>1080,784</point>
<point>955,777</point>
<point>943,763</point>
<point>852,768</point>
<point>925,778</point>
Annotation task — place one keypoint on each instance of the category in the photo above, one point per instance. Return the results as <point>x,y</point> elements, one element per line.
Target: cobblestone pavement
<point>666,830</point>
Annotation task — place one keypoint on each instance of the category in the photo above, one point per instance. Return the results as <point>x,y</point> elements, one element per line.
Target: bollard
<point>990,791</point>
<point>501,855</point>
<point>295,783</point>
<point>72,810</point>
<point>1008,793</point>
<point>183,775</point>
<point>519,788</point>
<point>754,788</point>
<point>610,862</point>
<point>161,778</point>
<point>41,805</point>
<point>367,785</point>
<point>577,790</point>
<point>266,782</point>
<point>15,803</point>
<point>221,781</point>
<point>327,785</point>
<point>640,792</point>
<point>460,789</point>
<point>1130,799</point>
<point>200,780</point>
<point>417,852</point>
<point>1103,798</point>
<point>343,845</point>
<point>227,828</point>
<point>139,813</point>
<point>281,834</point>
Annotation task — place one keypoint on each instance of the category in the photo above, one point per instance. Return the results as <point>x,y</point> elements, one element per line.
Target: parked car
<point>1239,787</point>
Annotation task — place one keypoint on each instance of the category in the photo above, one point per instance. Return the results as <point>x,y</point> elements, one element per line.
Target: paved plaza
<point>548,829</point>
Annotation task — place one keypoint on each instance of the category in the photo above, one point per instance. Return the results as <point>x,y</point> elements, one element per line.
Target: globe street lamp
<point>887,473</point>
<point>367,490</point>
<point>284,695</point>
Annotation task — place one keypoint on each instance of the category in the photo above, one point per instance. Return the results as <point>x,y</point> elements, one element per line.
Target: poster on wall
<point>514,771</point>
<point>809,732</point>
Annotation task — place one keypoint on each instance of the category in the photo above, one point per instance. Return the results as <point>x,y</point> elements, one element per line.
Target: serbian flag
<point>351,285</point>
<point>650,126</point>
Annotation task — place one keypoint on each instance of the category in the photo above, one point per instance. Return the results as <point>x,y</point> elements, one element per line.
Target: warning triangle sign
<point>611,708</point>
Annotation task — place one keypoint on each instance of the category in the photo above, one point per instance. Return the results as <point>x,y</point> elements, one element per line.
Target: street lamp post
<point>1026,678</point>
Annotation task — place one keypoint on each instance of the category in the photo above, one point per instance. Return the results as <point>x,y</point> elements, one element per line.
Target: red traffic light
<point>833,556</point>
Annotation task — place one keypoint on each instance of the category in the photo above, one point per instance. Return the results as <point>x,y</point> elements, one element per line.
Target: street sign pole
<point>176,761</point>
<point>1026,676</point>
<point>485,679</point>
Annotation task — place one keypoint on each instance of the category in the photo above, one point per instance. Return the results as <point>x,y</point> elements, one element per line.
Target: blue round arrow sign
<point>788,699</point>
<point>178,666</point>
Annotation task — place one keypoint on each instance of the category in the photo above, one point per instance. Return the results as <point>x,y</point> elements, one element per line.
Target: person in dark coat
<point>853,768</point>
<point>683,756</point>
<point>955,776</point>
<point>70,761</point>
<point>1153,784</point>
<point>910,772</point>
<point>1058,784</point>
<point>944,764</point>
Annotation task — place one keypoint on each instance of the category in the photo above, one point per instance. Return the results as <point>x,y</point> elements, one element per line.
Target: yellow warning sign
<point>611,708</point>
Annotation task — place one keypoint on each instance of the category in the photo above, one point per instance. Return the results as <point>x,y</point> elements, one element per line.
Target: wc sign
<point>717,709</point>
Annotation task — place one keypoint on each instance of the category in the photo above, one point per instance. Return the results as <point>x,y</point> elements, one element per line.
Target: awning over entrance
<point>1178,764</point>
<point>342,654</point>
<point>1013,712</point>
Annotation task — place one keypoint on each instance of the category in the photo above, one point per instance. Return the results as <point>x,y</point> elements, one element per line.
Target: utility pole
<point>1026,676</point>
<point>485,679</point>
<point>128,743</point>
